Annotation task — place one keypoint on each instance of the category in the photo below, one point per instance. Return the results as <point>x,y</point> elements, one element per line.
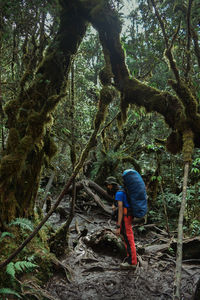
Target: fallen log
<point>94,186</point>
<point>157,248</point>
<point>96,198</point>
<point>100,190</point>
<point>191,248</point>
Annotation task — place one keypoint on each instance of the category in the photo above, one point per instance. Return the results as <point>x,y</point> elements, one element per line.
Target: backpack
<point>136,192</point>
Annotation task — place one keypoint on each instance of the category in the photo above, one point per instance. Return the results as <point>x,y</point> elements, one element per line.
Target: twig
<point>84,218</point>
<point>168,51</point>
<point>77,227</point>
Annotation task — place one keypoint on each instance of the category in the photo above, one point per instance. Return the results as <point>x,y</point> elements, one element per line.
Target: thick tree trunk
<point>180,112</point>
<point>29,120</point>
<point>188,147</point>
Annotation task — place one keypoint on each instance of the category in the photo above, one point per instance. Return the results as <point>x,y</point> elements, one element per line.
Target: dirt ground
<point>97,274</point>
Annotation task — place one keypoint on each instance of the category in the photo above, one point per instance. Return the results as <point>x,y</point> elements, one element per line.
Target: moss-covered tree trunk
<point>180,111</point>
<point>30,119</point>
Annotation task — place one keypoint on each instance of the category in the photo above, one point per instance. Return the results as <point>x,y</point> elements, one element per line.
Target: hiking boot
<point>126,265</point>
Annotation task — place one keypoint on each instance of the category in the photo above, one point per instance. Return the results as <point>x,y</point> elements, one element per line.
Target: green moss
<point>11,107</point>
<point>37,249</point>
<point>36,125</point>
<point>13,140</point>
<point>188,145</point>
<point>10,164</point>
<point>25,145</point>
<point>51,104</point>
<point>107,94</point>
<point>124,109</point>
<point>185,95</point>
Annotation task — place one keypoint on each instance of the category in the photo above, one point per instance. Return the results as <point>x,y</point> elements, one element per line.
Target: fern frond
<point>6,291</point>
<point>4,234</point>
<point>23,223</point>
<point>21,266</point>
<point>31,258</point>
<point>10,269</point>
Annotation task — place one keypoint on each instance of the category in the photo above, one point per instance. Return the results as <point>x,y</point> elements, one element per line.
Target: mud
<point>97,274</point>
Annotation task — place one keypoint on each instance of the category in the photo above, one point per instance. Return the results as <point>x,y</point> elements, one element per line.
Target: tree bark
<point>29,119</point>
<point>180,112</point>
<point>178,271</point>
<point>96,198</point>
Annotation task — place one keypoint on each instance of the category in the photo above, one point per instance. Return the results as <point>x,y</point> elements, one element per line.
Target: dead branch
<point>95,197</point>
<point>100,190</point>
<point>188,67</point>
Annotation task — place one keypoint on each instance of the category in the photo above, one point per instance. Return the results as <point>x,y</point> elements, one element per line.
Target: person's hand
<point>117,232</point>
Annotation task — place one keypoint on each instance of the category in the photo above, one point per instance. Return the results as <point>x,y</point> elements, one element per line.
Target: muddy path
<point>96,274</point>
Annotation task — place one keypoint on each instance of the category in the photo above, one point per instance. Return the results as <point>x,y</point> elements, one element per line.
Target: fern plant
<point>7,291</point>
<point>13,268</point>
<point>23,223</point>
<point>19,266</point>
<point>4,234</point>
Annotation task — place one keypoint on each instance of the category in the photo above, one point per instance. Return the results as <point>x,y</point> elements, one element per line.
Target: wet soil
<point>97,274</point>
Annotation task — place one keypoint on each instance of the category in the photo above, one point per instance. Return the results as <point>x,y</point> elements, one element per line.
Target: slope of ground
<point>94,273</point>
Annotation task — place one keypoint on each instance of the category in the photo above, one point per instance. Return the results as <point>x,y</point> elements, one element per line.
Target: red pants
<point>127,233</point>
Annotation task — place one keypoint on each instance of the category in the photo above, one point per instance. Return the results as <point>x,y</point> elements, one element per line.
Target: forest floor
<point>96,274</point>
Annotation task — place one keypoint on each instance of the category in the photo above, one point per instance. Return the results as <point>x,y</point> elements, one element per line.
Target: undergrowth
<point>22,278</point>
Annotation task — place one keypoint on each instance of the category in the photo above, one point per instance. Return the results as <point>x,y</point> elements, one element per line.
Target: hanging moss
<point>106,96</point>
<point>36,125</point>
<point>174,142</point>
<point>188,145</point>
<point>186,96</point>
<point>25,145</point>
<point>51,103</point>
<point>11,109</point>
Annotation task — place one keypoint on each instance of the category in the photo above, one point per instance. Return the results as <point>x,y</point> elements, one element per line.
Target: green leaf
<point>10,269</point>
<point>23,223</point>
<point>24,265</point>
<point>4,234</point>
<point>195,170</point>
<point>7,291</point>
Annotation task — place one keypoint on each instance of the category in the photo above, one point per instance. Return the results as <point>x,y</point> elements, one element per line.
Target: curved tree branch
<point>180,112</point>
